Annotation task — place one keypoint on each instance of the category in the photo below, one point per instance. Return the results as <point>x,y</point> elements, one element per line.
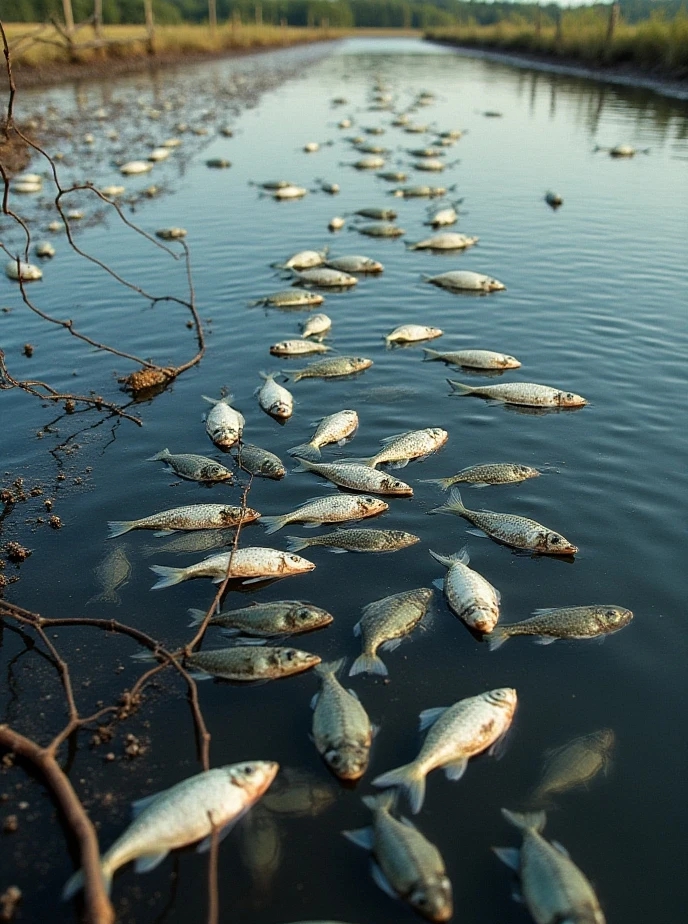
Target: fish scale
<point>249,663</point>
<point>342,731</point>
<point>355,476</point>
<point>193,516</point>
<point>334,428</point>
<point>406,446</point>
<point>487,473</point>
<point>328,510</point>
<point>191,466</point>
<point>567,622</point>
<point>357,540</point>
<point>468,593</point>
<point>384,623</point>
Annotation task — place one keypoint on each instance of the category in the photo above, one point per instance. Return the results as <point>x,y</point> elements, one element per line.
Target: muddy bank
<point>675,86</point>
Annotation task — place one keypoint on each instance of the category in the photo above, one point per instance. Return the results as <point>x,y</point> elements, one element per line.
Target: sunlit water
<point>596,303</point>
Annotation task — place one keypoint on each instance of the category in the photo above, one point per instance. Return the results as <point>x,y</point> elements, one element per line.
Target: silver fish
<point>334,509</point>
<point>259,461</point>
<point>455,734</point>
<point>183,814</point>
<point>381,230</point>
<point>468,594</point>
<point>443,218</point>
<point>291,298</point>
<point>406,864</point>
<point>203,540</point>
<point>342,732</point>
<point>316,326</point>
<point>401,448</point>
<point>224,425</point>
<point>553,887</point>
<point>300,794</point>
<point>425,152</point>
<point>298,347</point>
<point>553,199</point>
<point>447,241</point>
<point>329,368</point>
<point>355,263</point>
<point>419,192</point>
<point>393,176</point>
<point>430,165</point>
<point>574,764</point>
<point>326,278</point>
<point>372,162</point>
<point>511,529</point>
<point>250,565</point>
<point>473,359</point>
<point>487,473</point>
<point>547,625</point>
<point>112,572</point>
<point>357,540</point>
<point>335,428</point>
<point>459,280</point>
<point>289,192</point>
<point>385,623</point>
<point>411,333</point>
<point>357,477</point>
<point>264,620</point>
<point>272,185</point>
<point>377,214</point>
<point>193,467</point>
<point>248,663</point>
<point>525,393</point>
<point>274,398</point>
<point>304,259</point>
<point>193,516</point>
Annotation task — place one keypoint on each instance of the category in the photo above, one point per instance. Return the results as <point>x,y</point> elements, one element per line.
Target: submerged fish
<point>112,572</point>
<point>224,425</point>
<point>406,864</point>
<point>274,398</point>
<point>330,368</point>
<point>342,732</point>
<point>357,540</point>
<point>525,393</point>
<point>554,889</point>
<point>300,794</point>
<point>335,428</point>
<point>183,814</point>
<point>291,298</point>
<point>473,359</point>
<point>248,662</point>
<point>468,593</point>
<point>459,280</point>
<point>298,347</point>
<point>202,540</point>
<point>357,477</point>
<point>257,461</point>
<point>509,528</point>
<point>335,509</point>
<point>487,473</point>
<point>385,623</point>
<point>260,849</point>
<point>401,448</point>
<point>326,278</point>
<point>547,625</point>
<point>356,263</point>
<point>456,733</point>
<point>263,620</point>
<point>316,326</point>
<point>574,764</point>
<point>411,333</point>
<point>193,467</point>
<point>251,564</point>
<point>193,516</point>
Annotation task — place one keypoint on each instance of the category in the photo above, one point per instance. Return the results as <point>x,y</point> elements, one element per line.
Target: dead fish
<point>203,540</point>
<point>248,565</point>
<point>336,223</point>
<point>272,185</point>
<point>336,509</point>
<point>524,393</point>
<point>134,167</point>
<point>369,148</point>
<point>257,461</point>
<point>247,663</point>
<point>443,217</point>
<point>574,764</point>
<point>218,163</point>
<point>329,368</point>
<point>446,241</point>
<point>419,192</point>
<point>274,398</point>
<point>45,250</point>
<point>357,540</point>
<point>289,192</point>
<point>298,348</point>
<point>488,473</point>
<point>326,278</point>
<point>460,280</point>
<point>549,624</point>
<point>553,199</point>
<point>342,731</point>
<point>455,734</point>
<point>403,447</point>
<point>469,594</point>
<point>193,516</point>
<point>473,359</point>
<point>357,477</point>
<point>335,428</point>
<point>406,864</point>
<point>430,165</point>
<point>304,259</point>
<point>224,425</point>
<point>425,152</point>
<point>112,572</point>
<point>193,467</point>
<point>183,814</point>
<point>264,620</point>
<point>377,214</point>
<point>381,230</point>
<point>412,333</point>
<point>26,272</point>
<point>372,162</point>
<point>292,298</point>
<point>316,326</point>
<point>511,529</point>
<point>331,188</point>
<point>260,849</point>
<point>384,625</point>
<point>355,263</point>
<point>393,176</point>
<point>299,794</point>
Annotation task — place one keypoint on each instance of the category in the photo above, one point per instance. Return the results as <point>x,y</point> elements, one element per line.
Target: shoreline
<point>631,77</point>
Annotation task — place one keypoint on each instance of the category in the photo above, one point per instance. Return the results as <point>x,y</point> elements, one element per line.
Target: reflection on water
<point>595,303</point>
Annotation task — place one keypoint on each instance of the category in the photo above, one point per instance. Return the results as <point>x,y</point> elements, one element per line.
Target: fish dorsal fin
<point>456,769</point>
<point>141,805</point>
<point>357,628</point>
<point>544,640</point>
<point>400,463</point>
<point>544,610</point>
<point>381,880</point>
<point>148,861</point>
<point>428,717</point>
<point>389,439</point>
<point>391,644</point>
<point>475,531</point>
<point>511,856</point>
<point>314,699</point>
<point>438,583</point>
<point>560,847</point>
<point>361,837</point>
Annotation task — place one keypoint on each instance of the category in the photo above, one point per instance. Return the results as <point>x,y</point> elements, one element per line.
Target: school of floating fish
<point>405,864</point>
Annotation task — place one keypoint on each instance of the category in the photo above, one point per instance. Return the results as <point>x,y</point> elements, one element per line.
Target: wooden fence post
<point>259,14</point>
<point>98,18</point>
<point>150,25</point>
<point>68,16</point>
<point>614,13</point>
<point>212,16</point>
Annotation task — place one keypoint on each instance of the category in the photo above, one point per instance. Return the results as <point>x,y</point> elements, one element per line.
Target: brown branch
<point>213,893</point>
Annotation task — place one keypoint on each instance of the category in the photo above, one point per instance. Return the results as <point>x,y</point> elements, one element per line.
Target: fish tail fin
<point>296,543</point>
<point>306,451</point>
<point>381,800</point>
<point>444,483</point>
<point>294,374</point>
<point>197,617</point>
<point>76,882</point>
<point>411,779</point>
<point>497,637</point>
<point>429,354</point>
<point>119,527</point>
<point>368,663</point>
<point>167,576</point>
<point>330,667</point>
<point>526,821</point>
<point>448,560</point>
<point>459,387</point>
<point>272,524</point>
<point>303,466</point>
<point>453,505</point>
<point>159,456</point>
<point>369,461</point>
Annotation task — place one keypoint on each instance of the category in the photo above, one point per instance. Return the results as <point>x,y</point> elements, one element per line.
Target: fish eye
<point>569,395</point>
<point>303,613</point>
<point>554,539</point>
<point>611,614</point>
<point>294,558</point>
<point>290,654</point>
<point>247,769</point>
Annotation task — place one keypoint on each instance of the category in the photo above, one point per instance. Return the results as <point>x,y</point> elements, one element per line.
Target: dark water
<point>596,303</point>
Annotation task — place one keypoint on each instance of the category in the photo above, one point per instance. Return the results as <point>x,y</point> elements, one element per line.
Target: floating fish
<point>335,428</point>
<point>412,333</point>
<point>183,814</point>
<point>45,250</point>
<point>393,176</point>
<point>524,393</point>
<point>342,731</point>
<point>291,298</point>
<point>553,199</point>
<point>298,348</point>
<point>547,625</point>
<point>304,259</point>
<point>509,528</point>
<point>289,192</point>
<point>134,167</point>
<point>469,594</point>
<point>247,663</point>
<point>357,477</point>
<point>377,214</point>
<point>401,448</point>
<point>192,516</point>
<point>257,461</point>
<point>381,230</point>
<point>419,192</point>
<point>384,625</point>
<point>334,509</point>
<point>250,565</point>
<point>224,425</point>
<point>455,734</point>
<point>447,241</point>
<point>430,165</point>
<point>193,467</point>
<point>330,368</point>
<point>473,359</point>
<point>112,572</point>
<point>326,278</point>
<point>264,620</point>
<point>274,398</point>
<point>465,280</point>
<point>443,218</point>
<point>355,263</point>
<point>487,473</point>
<point>26,272</point>
<point>316,326</point>
<point>406,864</point>
<point>357,540</point>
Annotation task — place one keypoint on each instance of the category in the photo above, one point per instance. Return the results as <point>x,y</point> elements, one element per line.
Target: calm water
<point>596,303</point>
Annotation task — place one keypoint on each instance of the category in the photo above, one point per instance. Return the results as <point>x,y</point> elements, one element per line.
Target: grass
<point>656,44</point>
